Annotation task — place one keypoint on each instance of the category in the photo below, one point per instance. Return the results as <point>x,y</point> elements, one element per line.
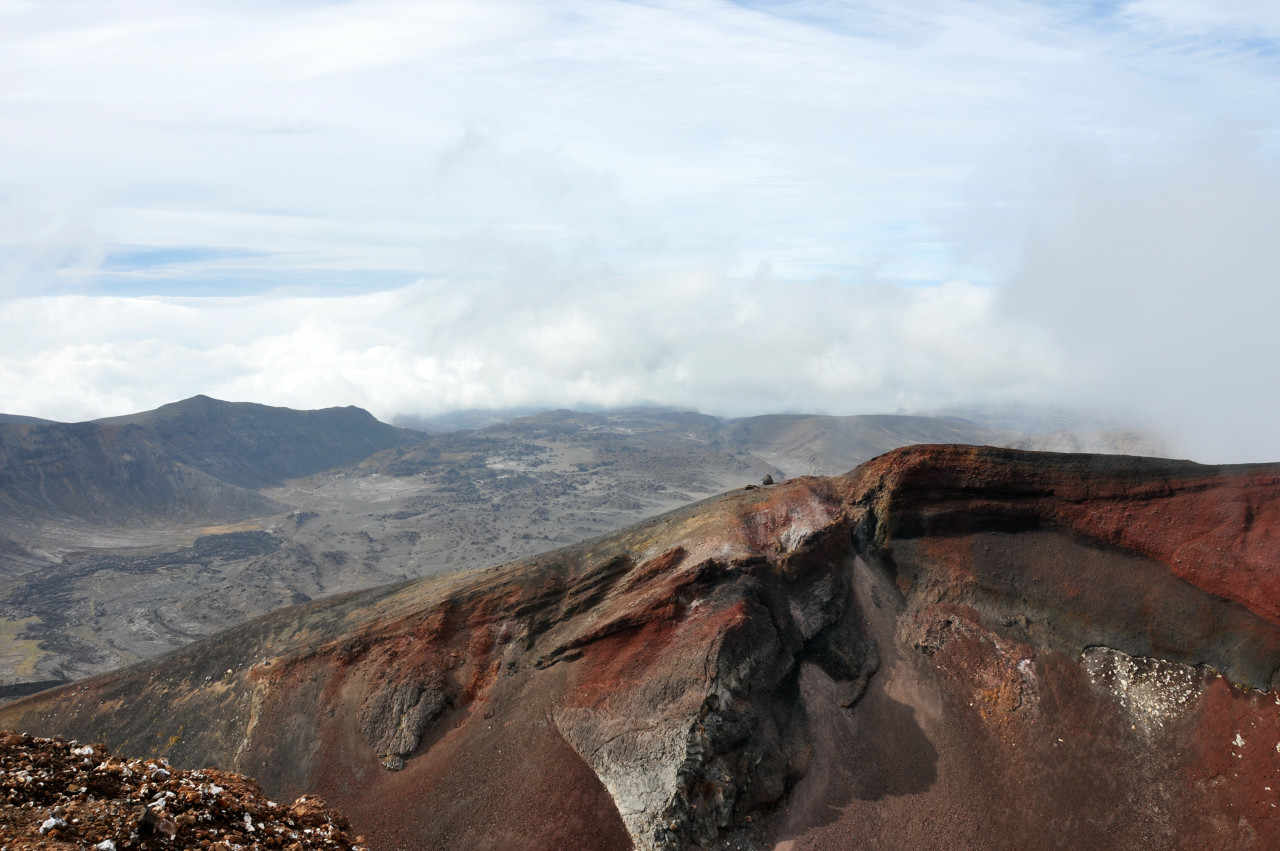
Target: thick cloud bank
<point>722,345</point>
<point>1158,284</point>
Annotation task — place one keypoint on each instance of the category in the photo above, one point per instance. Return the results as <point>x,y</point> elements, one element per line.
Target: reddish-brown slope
<point>948,647</point>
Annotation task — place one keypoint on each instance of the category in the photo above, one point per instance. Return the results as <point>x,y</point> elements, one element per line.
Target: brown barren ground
<point>948,647</point>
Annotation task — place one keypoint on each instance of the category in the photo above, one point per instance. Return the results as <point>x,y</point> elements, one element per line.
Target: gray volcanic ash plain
<point>130,536</point>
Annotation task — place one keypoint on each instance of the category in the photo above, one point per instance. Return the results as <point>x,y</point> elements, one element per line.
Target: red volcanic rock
<point>948,647</point>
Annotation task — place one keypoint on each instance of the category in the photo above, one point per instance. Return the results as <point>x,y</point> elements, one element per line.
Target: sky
<point>741,208</point>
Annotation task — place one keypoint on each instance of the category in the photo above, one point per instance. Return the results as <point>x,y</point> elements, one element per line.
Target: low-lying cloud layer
<point>726,346</point>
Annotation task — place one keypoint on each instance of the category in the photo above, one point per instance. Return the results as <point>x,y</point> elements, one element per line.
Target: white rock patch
<point>1153,691</point>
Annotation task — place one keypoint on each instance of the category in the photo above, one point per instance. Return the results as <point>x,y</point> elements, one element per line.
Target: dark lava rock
<point>394,718</point>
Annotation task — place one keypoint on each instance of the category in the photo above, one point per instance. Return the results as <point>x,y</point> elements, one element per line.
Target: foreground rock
<point>60,794</point>
<point>948,647</point>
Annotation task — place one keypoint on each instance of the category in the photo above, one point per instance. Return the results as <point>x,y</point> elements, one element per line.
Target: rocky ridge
<point>107,574</point>
<point>253,446</point>
<point>200,458</point>
<point>867,660</point>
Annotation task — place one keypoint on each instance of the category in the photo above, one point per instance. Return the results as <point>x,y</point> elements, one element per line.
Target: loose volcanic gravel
<point>56,794</point>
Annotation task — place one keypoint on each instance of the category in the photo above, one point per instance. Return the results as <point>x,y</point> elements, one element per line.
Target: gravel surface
<point>57,794</point>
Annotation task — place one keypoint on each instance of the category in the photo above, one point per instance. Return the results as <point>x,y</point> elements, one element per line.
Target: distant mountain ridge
<point>793,444</point>
<point>198,458</point>
<point>20,418</point>
<point>203,458</point>
<point>98,473</point>
<point>254,446</point>
<point>98,519</point>
<point>803,444</point>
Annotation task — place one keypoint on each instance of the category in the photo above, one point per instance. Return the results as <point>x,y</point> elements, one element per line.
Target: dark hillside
<point>109,474</point>
<point>256,446</point>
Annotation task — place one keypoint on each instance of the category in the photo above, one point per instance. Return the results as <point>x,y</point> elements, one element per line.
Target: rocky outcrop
<point>947,647</point>
<point>63,794</point>
<point>394,717</point>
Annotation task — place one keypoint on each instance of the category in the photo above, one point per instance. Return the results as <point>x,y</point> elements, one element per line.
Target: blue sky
<point>422,206</point>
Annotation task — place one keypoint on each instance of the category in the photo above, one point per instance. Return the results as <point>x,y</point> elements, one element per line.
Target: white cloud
<point>823,139</point>
<point>724,345</point>
<point>1160,283</point>
<point>598,181</point>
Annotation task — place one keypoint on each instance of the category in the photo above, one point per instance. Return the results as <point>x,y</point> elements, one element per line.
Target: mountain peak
<point>253,445</point>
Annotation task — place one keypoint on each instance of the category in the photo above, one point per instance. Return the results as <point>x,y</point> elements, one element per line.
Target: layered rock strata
<point>947,647</point>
